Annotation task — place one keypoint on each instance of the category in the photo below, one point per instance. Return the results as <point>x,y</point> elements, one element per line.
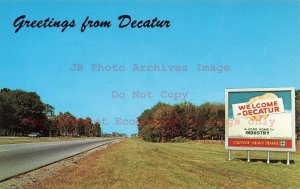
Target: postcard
<point>149,94</point>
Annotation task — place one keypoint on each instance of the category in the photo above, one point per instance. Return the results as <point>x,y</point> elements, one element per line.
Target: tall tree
<point>6,112</point>
<point>24,112</point>
<point>167,122</point>
<point>66,124</point>
<point>48,126</point>
<point>96,129</point>
<point>88,126</point>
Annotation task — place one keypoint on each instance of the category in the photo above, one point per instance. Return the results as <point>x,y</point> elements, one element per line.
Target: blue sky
<point>258,40</point>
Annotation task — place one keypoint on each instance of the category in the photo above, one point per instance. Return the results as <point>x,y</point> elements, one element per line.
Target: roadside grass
<point>134,163</point>
<point>19,140</point>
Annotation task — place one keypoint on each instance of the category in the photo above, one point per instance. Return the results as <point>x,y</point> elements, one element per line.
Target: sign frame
<point>293,121</point>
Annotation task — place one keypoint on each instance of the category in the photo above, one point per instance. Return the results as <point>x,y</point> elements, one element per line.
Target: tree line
<point>23,112</point>
<point>164,122</point>
<point>114,134</point>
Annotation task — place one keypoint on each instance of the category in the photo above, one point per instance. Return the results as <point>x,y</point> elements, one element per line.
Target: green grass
<point>18,140</point>
<point>134,163</point>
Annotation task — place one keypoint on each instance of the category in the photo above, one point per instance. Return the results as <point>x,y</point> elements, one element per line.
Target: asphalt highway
<point>16,159</point>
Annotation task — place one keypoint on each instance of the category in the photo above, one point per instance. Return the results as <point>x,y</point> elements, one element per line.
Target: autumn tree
<point>187,118</point>
<point>96,129</point>
<point>167,123</point>
<point>66,123</point>
<point>88,126</point>
<point>147,128</point>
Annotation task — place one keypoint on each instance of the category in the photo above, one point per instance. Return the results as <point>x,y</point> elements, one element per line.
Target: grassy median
<point>19,140</point>
<point>134,163</point>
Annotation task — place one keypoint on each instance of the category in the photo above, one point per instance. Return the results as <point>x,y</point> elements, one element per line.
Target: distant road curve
<point>16,159</point>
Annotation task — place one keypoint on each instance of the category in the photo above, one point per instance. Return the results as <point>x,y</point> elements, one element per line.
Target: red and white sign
<point>261,107</point>
<point>260,119</point>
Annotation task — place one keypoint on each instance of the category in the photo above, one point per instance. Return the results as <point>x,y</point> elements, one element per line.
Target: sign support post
<point>229,155</point>
<point>268,160</point>
<point>288,158</point>
<point>248,153</point>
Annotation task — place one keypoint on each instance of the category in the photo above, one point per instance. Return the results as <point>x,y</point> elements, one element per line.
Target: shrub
<point>179,139</point>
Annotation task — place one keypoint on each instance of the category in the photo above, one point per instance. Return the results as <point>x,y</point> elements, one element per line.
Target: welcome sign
<point>260,119</point>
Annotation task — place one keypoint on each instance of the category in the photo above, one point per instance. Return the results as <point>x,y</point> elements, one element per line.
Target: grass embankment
<point>19,140</point>
<point>134,163</point>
